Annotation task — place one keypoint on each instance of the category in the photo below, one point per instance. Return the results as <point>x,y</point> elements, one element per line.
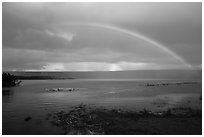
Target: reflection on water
<point>31,99</point>
<point>7,94</point>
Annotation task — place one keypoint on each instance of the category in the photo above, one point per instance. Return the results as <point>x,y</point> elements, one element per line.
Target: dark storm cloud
<point>33,37</point>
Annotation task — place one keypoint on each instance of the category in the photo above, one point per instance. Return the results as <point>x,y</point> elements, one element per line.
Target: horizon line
<point>106,70</point>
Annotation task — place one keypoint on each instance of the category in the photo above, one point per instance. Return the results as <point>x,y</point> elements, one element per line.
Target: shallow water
<point>32,99</point>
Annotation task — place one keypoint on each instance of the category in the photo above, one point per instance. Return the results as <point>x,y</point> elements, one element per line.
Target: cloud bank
<point>38,36</point>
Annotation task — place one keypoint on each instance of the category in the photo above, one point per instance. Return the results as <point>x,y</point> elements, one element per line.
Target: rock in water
<point>27,119</point>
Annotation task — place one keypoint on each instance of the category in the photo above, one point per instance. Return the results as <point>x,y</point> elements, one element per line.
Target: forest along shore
<point>86,120</point>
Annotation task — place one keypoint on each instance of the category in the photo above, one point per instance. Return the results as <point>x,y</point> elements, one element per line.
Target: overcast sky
<point>101,36</point>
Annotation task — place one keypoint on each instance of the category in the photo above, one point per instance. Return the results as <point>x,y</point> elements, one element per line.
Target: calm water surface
<point>32,99</point>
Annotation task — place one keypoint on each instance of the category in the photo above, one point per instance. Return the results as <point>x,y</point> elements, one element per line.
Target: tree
<point>9,80</point>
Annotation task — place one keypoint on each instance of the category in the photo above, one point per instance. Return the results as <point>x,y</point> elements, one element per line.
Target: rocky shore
<point>85,120</point>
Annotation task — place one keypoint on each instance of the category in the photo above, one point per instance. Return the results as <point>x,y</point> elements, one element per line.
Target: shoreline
<point>86,120</point>
<point>112,113</point>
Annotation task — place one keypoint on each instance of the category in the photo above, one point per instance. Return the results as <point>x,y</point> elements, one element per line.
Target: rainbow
<point>134,35</point>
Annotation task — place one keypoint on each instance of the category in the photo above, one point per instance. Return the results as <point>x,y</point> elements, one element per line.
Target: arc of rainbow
<point>133,34</point>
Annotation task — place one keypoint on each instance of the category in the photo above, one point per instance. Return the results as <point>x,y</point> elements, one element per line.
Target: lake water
<point>32,99</point>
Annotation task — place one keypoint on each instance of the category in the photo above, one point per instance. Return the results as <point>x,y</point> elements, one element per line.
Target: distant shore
<point>39,78</point>
<point>131,74</point>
